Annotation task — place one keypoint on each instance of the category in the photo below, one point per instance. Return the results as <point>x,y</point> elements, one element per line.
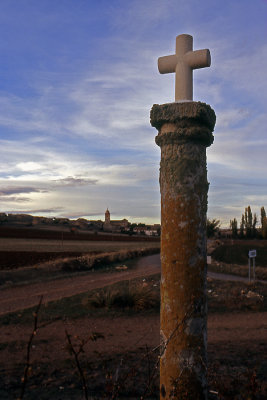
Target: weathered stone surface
<point>185,130</point>
<point>188,112</point>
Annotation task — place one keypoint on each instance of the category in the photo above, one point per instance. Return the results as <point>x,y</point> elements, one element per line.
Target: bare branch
<point>76,357</point>
<point>29,346</point>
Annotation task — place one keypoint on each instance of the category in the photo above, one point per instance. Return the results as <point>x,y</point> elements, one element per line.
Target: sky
<point>77,81</point>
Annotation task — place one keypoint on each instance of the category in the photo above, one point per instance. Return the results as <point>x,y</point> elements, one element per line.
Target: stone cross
<point>183,63</point>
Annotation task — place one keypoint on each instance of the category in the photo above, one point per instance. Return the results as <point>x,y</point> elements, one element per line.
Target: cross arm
<point>167,64</point>
<point>198,58</point>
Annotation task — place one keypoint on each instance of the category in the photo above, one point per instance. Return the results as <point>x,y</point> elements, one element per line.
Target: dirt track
<point>17,298</point>
<point>20,297</point>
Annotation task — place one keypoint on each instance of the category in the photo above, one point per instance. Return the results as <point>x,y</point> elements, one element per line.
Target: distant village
<point>122,226</point>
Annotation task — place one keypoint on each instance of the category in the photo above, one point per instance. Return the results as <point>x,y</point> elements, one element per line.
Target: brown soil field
<point>17,259</point>
<point>123,363</point>
<point>70,246</point>
<point>119,357</point>
<point>22,246</point>
<point>55,234</point>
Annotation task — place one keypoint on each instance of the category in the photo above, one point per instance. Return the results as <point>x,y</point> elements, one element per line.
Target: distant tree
<point>264,228</point>
<point>212,227</point>
<point>254,224</point>
<point>263,216</point>
<point>233,226</point>
<point>248,222</point>
<point>242,227</point>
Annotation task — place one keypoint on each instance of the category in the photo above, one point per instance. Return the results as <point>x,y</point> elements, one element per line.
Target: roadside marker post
<point>251,255</point>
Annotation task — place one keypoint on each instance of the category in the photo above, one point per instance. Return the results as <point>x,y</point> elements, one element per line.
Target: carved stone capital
<point>183,122</point>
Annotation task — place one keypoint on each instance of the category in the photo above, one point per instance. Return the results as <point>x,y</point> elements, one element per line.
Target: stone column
<point>184,131</point>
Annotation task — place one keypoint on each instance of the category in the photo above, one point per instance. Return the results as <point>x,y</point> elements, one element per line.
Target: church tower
<point>107,217</point>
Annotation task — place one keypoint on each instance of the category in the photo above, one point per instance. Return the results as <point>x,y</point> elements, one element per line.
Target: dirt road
<point>20,297</point>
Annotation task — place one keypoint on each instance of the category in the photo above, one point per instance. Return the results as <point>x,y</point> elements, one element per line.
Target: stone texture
<point>185,130</point>
<point>192,112</point>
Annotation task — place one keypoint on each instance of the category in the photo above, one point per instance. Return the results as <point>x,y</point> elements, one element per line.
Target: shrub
<point>125,296</point>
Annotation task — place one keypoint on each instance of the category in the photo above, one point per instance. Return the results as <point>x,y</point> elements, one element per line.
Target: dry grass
<point>231,258</point>
<point>125,295</point>
<point>99,260</point>
<point>237,252</point>
<point>69,266</point>
<point>239,270</point>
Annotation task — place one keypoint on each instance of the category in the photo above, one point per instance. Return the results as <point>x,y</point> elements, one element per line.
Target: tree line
<point>248,225</point>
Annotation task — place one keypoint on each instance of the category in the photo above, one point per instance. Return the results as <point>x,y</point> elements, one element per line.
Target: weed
<point>239,270</point>
<point>125,295</point>
<point>28,368</point>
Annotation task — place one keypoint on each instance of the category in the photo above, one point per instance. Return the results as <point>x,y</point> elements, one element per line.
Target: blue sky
<point>78,79</point>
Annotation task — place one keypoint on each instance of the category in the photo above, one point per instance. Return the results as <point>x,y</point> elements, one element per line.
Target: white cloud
<point>28,114</point>
<point>29,166</point>
<point>247,71</point>
<point>229,118</point>
<point>241,148</point>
